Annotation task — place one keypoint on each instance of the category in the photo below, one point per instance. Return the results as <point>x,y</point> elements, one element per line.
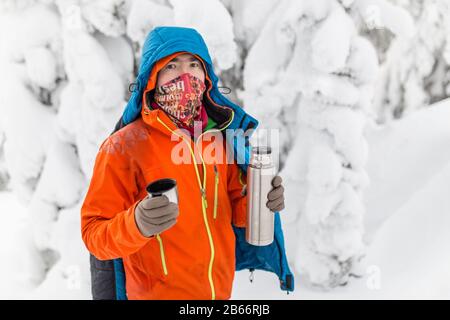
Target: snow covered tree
<point>312,76</point>
<point>31,72</point>
<point>62,96</point>
<point>416,72</point>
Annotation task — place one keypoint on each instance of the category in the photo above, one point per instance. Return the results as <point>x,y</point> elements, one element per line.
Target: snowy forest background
<point>358,89</point>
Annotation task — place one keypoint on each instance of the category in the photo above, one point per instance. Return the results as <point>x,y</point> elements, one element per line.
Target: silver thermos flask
<point>260,220</point>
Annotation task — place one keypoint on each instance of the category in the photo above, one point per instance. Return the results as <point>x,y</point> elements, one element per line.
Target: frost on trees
<point>70,77</point>
<point>417,67</point>
<point>65,90</point>
<point>414,65</point>
<point>310,75</point>
<point>31,59</point>
<point>30,62</point>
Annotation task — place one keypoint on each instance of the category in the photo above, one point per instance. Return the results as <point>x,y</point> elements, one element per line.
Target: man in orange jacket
<point>169,250</point>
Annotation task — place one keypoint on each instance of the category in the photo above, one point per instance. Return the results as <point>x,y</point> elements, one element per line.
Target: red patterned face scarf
<point>181,99</point>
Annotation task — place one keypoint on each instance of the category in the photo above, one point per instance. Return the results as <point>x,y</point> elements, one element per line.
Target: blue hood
<point>164,41</point>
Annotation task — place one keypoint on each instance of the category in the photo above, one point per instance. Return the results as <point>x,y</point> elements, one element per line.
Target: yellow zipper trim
<point>203,191</point>
<point>215,168</point>
<point>204,205</point>
<point>163,256</point>
<point>200,154</point>
<point>240,178</point>
<point>216,186</point>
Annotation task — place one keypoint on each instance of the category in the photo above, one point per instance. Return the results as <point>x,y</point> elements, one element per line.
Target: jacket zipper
<point>216,186</point>
<point>204,206</point>
<point>240,178</point>
<point>163,256</point>
<point>203,191</point>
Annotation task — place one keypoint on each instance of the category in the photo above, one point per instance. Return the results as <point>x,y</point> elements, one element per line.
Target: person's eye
<point>170,66</point>
<point>195,64</point>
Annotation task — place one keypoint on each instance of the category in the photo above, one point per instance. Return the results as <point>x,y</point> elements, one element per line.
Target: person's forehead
<point>184,57</point>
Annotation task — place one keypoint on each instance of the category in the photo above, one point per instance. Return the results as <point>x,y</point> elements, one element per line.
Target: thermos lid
<point>262,150</point>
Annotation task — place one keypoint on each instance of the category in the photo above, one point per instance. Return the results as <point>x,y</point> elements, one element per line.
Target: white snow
<point>21,268</point>
<point>382,13</point>
<point>140,21</point>
<point>316,85</point>
<point>25,151</point>
<point>415,65</point>
<point>104,16</point>
<point>247,24</point>
<point>204,18</point>
<point>414,150</point>
<point>41,67</point>
<point>331,43</point>
<point>60,185</point>
<point>362,200</point>
<point>69,278</point>
<point>407,218</point>
<point>406,257</point>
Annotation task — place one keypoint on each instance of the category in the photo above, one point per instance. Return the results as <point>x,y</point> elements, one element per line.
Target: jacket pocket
<point>162,254</point>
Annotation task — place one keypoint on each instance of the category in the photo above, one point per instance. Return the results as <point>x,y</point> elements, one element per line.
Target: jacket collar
<point>151,116</point>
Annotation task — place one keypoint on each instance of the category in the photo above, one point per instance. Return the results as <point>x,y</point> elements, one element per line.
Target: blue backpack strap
<point>119,272</point>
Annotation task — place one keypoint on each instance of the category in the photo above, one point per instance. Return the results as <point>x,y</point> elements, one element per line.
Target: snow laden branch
<point>312,76</point>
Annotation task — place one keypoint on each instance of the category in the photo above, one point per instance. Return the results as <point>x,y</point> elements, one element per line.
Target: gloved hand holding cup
<point>158,211</point>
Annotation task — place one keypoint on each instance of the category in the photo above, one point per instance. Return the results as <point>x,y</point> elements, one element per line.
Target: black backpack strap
<point>103,280</point>
<point>119,125</point>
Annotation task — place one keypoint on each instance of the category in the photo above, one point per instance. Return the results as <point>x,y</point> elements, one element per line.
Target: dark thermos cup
<point>166,186</point>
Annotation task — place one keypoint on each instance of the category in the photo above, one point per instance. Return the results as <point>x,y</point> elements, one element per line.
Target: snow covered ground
<point>407,224</point>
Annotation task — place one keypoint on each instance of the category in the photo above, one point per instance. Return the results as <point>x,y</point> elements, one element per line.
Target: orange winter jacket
<point>194,259</point>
